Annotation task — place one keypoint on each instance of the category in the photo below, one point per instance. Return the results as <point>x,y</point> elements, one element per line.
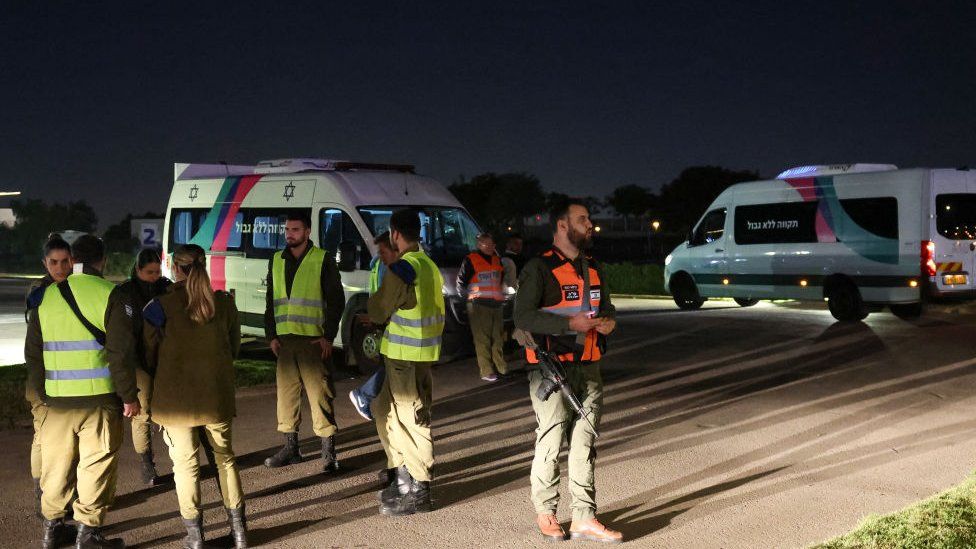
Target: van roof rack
<point>834,169</point>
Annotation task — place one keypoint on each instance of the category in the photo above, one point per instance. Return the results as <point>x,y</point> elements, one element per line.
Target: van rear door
<point>953,229</point>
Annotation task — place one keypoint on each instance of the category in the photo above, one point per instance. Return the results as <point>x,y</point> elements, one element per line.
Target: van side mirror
<point>690,237</point>
<point>348,256</point>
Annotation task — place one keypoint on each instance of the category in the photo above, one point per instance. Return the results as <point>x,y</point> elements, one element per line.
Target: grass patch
<point>15,410</point>
<point>627,278</point>
<point>944,521</point>
<point>254,372</point>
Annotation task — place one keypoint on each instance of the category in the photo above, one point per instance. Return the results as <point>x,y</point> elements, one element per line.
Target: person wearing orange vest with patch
<point>480,278</point>
<point>564,302</point>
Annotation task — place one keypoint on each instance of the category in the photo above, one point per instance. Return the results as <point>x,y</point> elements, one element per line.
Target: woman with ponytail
<point>145,283</point>
<point>192,335</point>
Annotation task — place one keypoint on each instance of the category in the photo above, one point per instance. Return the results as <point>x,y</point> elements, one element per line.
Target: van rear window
<point>955,216</point>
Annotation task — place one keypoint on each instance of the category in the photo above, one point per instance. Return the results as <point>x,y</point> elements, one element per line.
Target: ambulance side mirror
<point>348,256</point>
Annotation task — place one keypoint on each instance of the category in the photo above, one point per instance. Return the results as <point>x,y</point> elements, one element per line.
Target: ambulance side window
<point>711,228</point>
<point>184,224</point>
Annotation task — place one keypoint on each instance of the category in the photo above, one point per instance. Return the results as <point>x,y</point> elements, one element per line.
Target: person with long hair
<point>57,266</point>
<point>191,336</point>
<point>145,282</point>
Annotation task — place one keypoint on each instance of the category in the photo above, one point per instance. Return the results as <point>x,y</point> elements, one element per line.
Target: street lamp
<point>9,193</point>
<point>655,226</point>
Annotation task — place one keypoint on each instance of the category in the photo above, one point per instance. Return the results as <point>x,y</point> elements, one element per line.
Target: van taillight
<point>928,258</point>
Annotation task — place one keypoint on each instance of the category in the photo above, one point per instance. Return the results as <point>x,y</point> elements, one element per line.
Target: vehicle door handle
<point>972,246</point>
<point>720,250</point>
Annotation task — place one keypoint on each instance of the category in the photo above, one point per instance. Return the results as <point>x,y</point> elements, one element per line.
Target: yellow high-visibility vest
<point>75,364</point>
<point>415,334</point>
<point>300,313</point>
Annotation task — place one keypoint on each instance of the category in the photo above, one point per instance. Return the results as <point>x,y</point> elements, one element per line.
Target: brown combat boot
<point>592,530</point>
<point>550,528</point>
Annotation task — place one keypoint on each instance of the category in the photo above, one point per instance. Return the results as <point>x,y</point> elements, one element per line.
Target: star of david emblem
<point>289,191</point>
<point>193,193</point>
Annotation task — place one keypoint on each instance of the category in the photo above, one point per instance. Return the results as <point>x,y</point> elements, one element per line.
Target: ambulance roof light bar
<point>184,172</point>
<point>834,169</point>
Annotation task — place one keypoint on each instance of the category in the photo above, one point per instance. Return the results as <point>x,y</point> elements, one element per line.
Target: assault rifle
<point>553,377</point>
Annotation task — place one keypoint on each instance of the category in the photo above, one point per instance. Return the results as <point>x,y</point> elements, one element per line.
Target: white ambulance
<point>237,214</point>
<point>860,236</point>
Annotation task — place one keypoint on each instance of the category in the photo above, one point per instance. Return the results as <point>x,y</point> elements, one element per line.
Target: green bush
<point>627,278</point>
<point>119,265</point>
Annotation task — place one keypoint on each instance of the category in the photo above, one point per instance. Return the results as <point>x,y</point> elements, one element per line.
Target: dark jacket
<point>333,297</point>
<point>135,295</point>
<point>194,363</point>
<point>118,351</point>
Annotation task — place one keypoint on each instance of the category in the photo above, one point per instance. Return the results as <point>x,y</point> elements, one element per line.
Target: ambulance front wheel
<point>366,346</point>
<point>744,301</point>
<point>685,292</point>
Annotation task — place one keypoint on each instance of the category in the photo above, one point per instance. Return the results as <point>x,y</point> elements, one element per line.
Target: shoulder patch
<point>404,270</point>
<point>154,314</point>
<point>36,296</point>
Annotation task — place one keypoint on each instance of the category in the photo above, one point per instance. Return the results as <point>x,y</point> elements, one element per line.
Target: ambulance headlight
<point>667,260</point>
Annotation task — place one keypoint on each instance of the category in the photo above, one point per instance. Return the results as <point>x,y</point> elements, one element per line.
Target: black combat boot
<point>330,463</point>
<point>416,500</point>
<point>194,533</point>
<point>55,533</point>
<point>238,526</point>
<point>386,476</point>
<point>149,476</point>
<point>399,485</point>
<point>288,455</point>
<point>90,537</point>
<point>37,498</point>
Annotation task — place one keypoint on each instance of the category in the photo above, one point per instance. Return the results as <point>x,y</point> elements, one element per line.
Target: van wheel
<point>845,303</point>
<point>907,311</point>
<point>744,302</point>
<point>366,346</point>
<point>686,294</point>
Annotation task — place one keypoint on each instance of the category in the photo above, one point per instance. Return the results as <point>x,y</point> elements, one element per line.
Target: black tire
<point>745,302</point>
<point>907,311</point>
<point>845,303</point>
<point>685,294</point>
<point>365,347</point>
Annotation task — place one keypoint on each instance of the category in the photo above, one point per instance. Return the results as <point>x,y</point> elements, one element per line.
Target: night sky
<point>98,100</point>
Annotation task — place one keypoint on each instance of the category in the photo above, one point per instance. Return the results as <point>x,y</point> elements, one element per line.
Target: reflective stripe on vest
<point>486,282</point>
<point>75,364</point>
<point>415,334</point>
<point>572,301</point>
<point>300,313</point>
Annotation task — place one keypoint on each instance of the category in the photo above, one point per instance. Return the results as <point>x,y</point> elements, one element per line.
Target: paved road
<point>723,428</point>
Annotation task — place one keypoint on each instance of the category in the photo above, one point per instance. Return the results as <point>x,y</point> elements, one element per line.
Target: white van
<point>237,214</point>
<point>860,236</point>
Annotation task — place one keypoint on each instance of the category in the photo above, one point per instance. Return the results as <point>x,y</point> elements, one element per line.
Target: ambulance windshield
<point>446,234</point>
